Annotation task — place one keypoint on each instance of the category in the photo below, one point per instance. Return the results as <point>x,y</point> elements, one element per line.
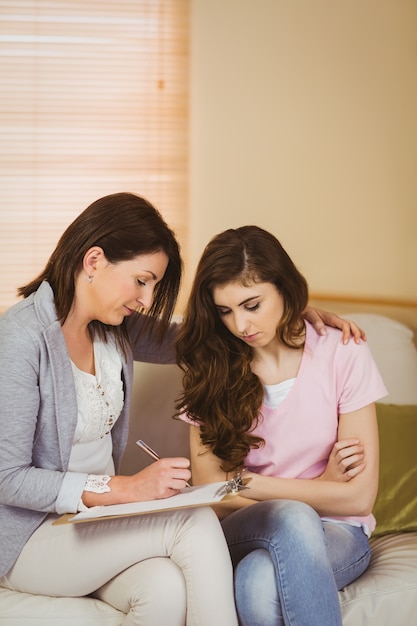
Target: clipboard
<point>201,495</point>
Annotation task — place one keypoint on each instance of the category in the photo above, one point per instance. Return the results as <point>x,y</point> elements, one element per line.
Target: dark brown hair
<point>124,225</point>
<point>220,391</point>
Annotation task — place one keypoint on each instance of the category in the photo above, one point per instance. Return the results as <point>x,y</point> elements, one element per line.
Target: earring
<point>90,279</point>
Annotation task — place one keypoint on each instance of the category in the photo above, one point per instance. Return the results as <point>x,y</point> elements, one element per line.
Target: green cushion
<point>396,504</point>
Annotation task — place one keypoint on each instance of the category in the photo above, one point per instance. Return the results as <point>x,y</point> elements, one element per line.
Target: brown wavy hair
<point>220,391</point>
<point>124,225</point>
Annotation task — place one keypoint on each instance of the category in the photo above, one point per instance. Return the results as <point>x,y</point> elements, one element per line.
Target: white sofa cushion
<point>22,609</point>
<point>395,353</point>
<point>386,593</point>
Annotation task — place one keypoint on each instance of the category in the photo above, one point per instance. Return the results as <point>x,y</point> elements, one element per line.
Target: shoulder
<point>18,318</point>
<point>350,366</point>
<point>27,321</point>
<point>331,346</point>
<point>328,342</point>
<point>331,340</point>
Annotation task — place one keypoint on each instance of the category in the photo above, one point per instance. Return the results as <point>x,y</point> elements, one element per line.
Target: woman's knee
<point>150,592</point>
<point>290,511</point>
<point>297,527</point>
<point>202,522</point>
<point>197,519</point>
<point>279,526</point>
<point>282,516</point>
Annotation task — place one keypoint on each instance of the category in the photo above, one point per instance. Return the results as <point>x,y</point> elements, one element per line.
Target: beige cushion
<point>23,609</point>
<point>395,354</point>
<point>386,593</point>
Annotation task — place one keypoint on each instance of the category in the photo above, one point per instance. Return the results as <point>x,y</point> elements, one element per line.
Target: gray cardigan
<point>38,416</point>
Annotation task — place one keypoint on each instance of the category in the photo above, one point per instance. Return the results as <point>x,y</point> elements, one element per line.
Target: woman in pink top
<point>293,413</point>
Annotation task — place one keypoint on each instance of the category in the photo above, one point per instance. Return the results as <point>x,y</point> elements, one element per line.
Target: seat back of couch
<point>154,393</point>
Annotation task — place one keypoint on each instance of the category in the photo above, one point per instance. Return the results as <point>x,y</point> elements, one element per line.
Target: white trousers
<point>164,568</point>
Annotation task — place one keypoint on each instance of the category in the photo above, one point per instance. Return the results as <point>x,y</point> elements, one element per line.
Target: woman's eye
<point>253,307</point>
<point>223,312</point>
<point>141,283</point>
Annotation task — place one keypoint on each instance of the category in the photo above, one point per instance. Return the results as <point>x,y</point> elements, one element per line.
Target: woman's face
<point>250,313</point>
<point>118,289</point>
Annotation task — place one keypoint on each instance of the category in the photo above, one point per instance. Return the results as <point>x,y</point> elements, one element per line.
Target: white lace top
<point>100,400</point>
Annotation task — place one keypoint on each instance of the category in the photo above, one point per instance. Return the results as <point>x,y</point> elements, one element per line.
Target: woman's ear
<point>92,258</point>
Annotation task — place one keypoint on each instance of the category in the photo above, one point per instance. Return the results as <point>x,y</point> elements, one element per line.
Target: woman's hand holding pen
<point>161,479</point>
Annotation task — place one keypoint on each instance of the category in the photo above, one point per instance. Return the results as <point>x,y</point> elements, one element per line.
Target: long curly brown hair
<point>220,391</point>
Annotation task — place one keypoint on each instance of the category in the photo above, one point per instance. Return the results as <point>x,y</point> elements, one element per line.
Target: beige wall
<point>304,121</point>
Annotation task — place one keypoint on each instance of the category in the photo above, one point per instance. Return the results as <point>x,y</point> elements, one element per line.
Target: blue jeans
<point>289,564</point>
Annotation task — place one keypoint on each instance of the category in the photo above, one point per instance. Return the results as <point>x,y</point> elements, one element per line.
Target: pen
<point>150,452</point>
<point>148,449</point>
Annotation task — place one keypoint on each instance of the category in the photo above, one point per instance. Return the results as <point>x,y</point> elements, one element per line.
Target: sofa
<point>386,593</point>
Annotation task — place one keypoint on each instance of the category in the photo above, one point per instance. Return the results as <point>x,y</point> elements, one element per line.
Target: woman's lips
<point>250,337</point>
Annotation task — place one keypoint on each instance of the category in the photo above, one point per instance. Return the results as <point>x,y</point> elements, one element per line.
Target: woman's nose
<point>241,324</point>
<point>146,297</point>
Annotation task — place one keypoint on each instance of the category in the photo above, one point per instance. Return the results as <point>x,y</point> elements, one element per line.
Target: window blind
<point>94,97</point>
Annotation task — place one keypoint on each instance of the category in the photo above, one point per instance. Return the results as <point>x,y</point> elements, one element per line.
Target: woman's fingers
<point>349,457</point>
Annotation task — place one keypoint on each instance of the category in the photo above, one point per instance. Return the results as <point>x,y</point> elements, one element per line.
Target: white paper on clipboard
<point>200,495</point>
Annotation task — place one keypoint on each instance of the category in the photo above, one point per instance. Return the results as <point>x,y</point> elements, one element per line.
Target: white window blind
<point>94,97</point>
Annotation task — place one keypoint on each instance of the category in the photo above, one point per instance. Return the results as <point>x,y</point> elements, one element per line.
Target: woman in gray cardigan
<point>105,297</point>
